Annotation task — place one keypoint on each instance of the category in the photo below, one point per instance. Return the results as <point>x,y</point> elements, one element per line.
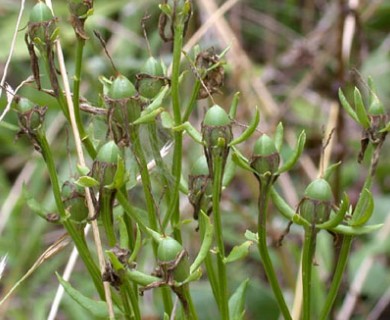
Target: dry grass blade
<point>56,247</point>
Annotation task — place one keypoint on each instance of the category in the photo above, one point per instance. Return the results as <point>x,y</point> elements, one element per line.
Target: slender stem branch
<point>76,98</point>
<point>337,276</point>
<point>263,249</point>
<point>307,266</point>
<point>70,228</point>
<point>222,278</point>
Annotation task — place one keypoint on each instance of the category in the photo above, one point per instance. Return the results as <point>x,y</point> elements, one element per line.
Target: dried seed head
<point>316,204</point>
<point>211,73</point>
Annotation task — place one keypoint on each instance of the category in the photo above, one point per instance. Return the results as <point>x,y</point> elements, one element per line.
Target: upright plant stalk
<point>309,245</point>
<point>75,235</point>
<point>173,209</point>
<point>152,213</point>
<point>76,98</point>
<point>222,279</point>
<point>263,249</point>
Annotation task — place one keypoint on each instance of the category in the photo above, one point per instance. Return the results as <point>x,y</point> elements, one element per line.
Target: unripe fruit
<point>169,250</point>
<point>216,125</point>
<point>74,201</point>
<point>151,78</point>
<point>121,88</point>
<point>105,165</point>
<point>265,157</point>
<point>316,205</point>
<point>41,23</point>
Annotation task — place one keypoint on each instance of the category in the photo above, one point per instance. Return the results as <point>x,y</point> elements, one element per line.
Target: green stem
<point>263,249</point>
<point>307,265</point>
<point>222,278</point>
<point>191,104</point>
<point>209,265</point>
<point>107,215</point>
<point>337,277</point>
<point>126,305</point>
<point>70,228</point>
<point>76,98</point>
<point>150,205</point>
<point>173,212</point>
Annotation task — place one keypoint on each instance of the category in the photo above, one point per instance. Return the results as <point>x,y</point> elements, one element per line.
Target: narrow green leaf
<point>364,209</point>
<point>192,132</point>
<point>240,160</point>
<point>120,176</point>
<point>297,153</point>
<point>248,131</point>
<point>330,169</point>
<point>251,236</point>
<point>158,100</point>
<point>97,308</point>
<point>282,205</point>
<point>141,278</point>
<point>238,252</point>
<point>229,172</point>
<point>149,116</point>
<point>237,302</point>
<point>278,138</point>
<point>166,120</point>
<point>206,242</point>
<point>137,245</point>
<point>83,170</point>
<point>356,231</point>
<point>360,109</point>
<point>344,102</point>
<point>233,106</point>
<point>87,182</point>
<point>33,204</point>
<point>338,217</point>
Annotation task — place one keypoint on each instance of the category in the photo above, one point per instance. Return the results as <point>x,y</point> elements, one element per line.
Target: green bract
<point>121,88</point>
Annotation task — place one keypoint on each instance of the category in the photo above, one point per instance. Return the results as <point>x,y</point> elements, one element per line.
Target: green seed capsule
<point>31,116</point>
<point>80,8</point>
<point>121,88</point>
<point>169,250</point>
<point>151,79</point>
<point>199,186</point>
<point>74,201</point>
<point>41,23</point>
<point>105,165</point>
<point>265,157</point>
<point>216,125</point>
<point>316,205</point>
<point>40,13</point>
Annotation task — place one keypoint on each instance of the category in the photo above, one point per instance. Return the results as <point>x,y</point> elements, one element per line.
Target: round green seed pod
<point>40,13</point>
<point>265,157</point>
<point>216,116</point>
<point>151,79</point>
<point>200,167</point>
<point>74,201</point>
<point>79,8</point>
<point>23,105</point>
<point>168,251</point>
<point>108,153</point>
<point>216,125</point>
<point>316,205</point>
<point>121,88</point>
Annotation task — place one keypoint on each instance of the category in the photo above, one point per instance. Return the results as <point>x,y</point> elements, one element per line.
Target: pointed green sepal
<point>344,102</point>
<point>248,131</point>
<point>297,153</point>
<point>360,109</point>
<point>364,209</point>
